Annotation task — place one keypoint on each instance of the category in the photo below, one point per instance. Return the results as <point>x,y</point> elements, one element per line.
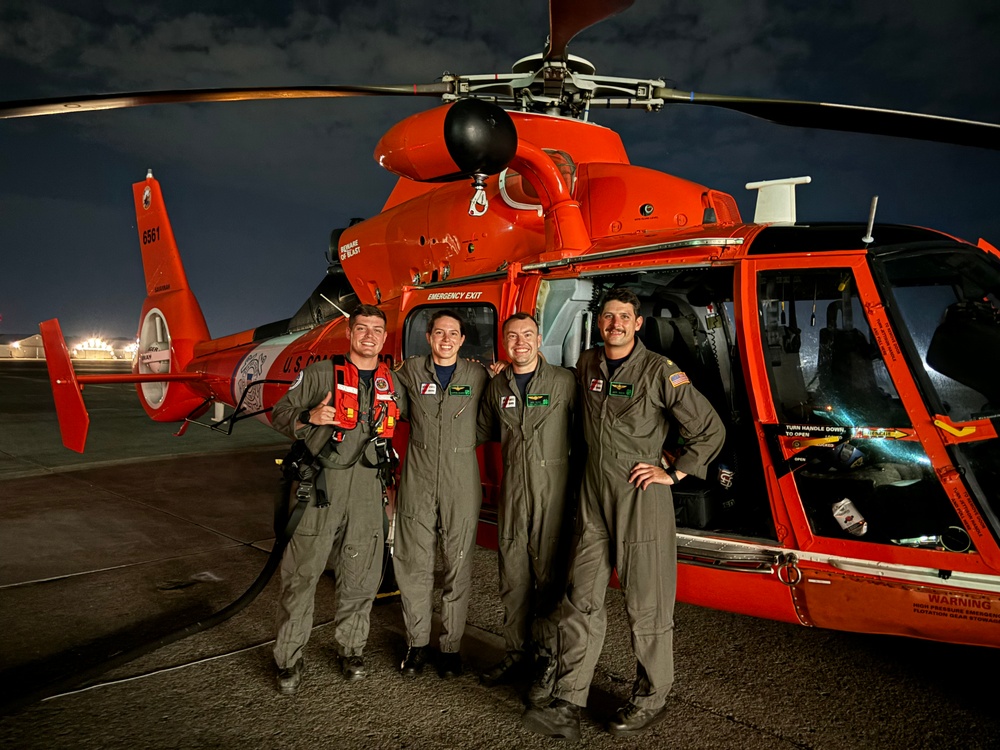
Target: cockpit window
<point>859,473</point>
<point>948,302</point>
<point>825,365</point>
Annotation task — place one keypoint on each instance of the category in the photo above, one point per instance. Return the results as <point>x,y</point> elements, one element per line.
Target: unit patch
<point>508,402</point>
<point>620,389</point>
<point>428,389</point>
<point>381,384</point>
<point>459,390</point>
<point>678,378</point>
<point>297,382</point>
<point>537,399</point>
<point>597,385</point>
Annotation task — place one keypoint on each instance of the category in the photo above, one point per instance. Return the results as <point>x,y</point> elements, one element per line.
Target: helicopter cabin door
<point>874,509</point>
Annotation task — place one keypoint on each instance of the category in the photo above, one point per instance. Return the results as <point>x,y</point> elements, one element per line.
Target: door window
<point>824,365</point>
<point>859,470</point>
<point>480,322</point>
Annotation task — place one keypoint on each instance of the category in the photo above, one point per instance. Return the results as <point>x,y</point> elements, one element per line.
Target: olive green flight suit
<point>351,527</point>
<point>439,496</point>
<point>620,526</point>
<point>535,438</point>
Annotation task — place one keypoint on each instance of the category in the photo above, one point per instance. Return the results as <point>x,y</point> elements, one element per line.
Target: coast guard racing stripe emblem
<point>428,389</point>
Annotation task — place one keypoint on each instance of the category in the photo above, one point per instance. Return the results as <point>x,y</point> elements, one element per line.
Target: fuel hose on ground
<point>298,469</point>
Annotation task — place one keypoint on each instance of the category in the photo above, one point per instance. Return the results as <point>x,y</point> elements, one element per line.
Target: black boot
<point>449,664</point>
<point>413,663</point>
<point>560,719</point>
<point>289,678</point>
<point>507,669</point>
<point>631,719</point>
<point>353,667</point>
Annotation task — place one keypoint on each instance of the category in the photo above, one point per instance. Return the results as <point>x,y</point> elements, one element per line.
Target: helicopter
<point>851,362</point>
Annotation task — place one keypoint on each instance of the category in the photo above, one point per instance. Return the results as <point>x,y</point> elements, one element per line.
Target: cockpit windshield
<point>949,302</point>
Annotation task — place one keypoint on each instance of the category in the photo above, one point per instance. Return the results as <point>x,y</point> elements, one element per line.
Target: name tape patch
<point>623,390</point>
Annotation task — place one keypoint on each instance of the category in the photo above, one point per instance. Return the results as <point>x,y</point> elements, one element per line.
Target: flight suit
<point>535,438</point>
<point>618,525</point>
<point>351,527</point>
<point>439,495</point>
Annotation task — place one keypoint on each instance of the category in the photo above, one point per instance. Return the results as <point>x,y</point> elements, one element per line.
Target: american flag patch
<point>428,389</point>
<point>678,378</point>
<point>597,385</point>
<point>508,402</point>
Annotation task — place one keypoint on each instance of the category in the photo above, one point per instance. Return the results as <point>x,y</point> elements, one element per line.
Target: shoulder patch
<point>297,382</point>
<point>678,378</point>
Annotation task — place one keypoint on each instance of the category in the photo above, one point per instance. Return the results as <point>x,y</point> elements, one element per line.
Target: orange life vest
<point>385,410</point>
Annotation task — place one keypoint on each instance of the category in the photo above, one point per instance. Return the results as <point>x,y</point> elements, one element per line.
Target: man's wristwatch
<point>304,417</point>
<point>672,473</point>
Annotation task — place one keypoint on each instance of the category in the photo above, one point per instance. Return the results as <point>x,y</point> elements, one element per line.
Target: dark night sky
<point>254,189</point>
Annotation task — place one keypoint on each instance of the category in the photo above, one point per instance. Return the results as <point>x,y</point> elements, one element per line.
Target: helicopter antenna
<point>335,305</point>
<point>868,239</point>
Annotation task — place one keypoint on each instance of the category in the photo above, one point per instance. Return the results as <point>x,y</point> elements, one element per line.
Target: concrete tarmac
<point>146,533</point>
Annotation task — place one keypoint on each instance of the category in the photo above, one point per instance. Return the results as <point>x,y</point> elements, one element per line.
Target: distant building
<point>21,346</point>
<point>29,346</point>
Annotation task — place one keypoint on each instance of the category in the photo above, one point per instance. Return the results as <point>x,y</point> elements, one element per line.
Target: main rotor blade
<point>567,18</point>
<point>846,117</point>
<point>66,105</point>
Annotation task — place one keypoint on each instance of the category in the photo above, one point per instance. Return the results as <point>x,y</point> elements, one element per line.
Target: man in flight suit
<point>530,407</point>
<point>439,493</point>
<point>626,518</point>
<point>351,524</point>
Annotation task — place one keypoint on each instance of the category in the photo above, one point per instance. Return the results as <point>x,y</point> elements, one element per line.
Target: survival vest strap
<point>300,466</point>
<point>385,410</point>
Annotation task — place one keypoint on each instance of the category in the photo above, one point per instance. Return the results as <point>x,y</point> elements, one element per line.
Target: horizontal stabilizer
<point>74,422</point>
